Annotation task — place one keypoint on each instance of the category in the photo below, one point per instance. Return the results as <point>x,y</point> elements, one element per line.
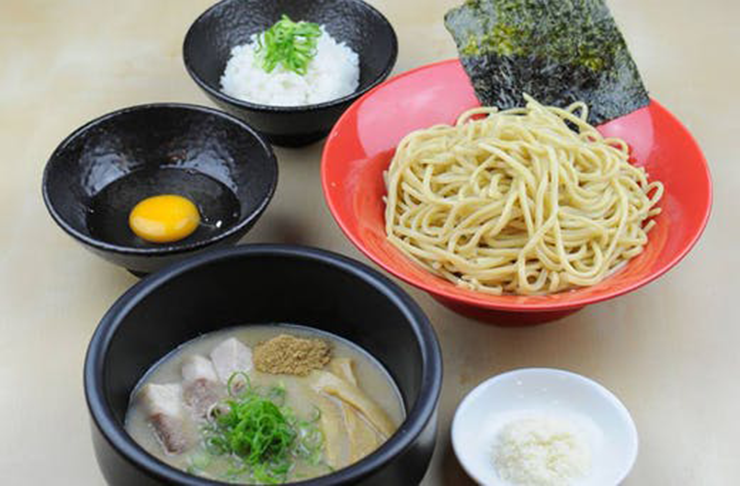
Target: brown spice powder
<point>290,355</point>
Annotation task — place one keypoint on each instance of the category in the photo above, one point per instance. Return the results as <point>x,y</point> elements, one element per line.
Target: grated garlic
<point>541,451</point>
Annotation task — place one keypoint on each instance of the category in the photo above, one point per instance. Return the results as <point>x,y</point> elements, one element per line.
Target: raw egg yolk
<point>163,219</point>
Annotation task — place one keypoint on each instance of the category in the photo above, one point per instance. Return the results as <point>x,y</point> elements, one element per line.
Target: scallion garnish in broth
<point>292,44</point>
<point>261,436</point>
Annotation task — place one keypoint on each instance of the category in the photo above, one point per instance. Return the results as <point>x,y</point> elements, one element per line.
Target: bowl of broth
<point>151,184</point>
<point>264,364</point>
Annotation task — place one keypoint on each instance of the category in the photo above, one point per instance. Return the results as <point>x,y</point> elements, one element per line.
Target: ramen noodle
<point>528,200</point>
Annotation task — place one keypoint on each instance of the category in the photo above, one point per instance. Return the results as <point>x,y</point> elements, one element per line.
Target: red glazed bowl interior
<point>363,141</point>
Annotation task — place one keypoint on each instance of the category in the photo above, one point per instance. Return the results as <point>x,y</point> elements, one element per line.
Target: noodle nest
<point>528,200</point>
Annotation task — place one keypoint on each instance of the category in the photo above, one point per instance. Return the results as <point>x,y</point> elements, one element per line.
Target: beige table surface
<point>670,350</point>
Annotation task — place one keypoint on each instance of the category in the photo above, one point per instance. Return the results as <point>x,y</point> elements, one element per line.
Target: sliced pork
<point>231,356</point>
<point>163,407</point>
<point>200,385</point>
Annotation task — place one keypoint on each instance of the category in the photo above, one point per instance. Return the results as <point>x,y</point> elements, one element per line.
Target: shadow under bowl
<point>229,23</point>
<point>102,170</point>
<point>363,142</point>
<point>258,284</point>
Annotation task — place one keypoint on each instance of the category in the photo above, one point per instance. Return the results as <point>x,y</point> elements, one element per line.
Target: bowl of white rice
<point>355,49</point>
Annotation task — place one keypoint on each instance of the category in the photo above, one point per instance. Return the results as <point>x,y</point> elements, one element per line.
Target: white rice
<point>334,72</point>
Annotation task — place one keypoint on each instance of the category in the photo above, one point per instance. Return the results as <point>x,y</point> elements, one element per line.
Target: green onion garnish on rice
<point>290,44</point>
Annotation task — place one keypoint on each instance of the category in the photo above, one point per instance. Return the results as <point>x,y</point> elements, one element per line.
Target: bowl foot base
<point>295,141</point>
<point>506,318</point>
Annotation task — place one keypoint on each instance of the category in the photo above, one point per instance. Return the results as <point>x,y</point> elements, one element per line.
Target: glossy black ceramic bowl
<point>98,174</point>
<point>264,284</point>
<point>230,23</point>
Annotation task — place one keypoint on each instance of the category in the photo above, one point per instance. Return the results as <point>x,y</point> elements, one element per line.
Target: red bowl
<point>362,144</point>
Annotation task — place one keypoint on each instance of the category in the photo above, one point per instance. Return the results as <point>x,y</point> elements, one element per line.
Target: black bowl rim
<point>416,420</point>
<point>170,249</point>
<point>223,97</point>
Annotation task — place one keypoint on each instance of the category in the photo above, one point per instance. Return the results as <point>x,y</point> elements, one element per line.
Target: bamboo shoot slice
<point>331,425</point>
<point>331,384</point>
<point>363,439</point>
<point>344,369</point>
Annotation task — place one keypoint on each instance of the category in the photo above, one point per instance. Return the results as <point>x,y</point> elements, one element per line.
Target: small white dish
<point>605,422</point>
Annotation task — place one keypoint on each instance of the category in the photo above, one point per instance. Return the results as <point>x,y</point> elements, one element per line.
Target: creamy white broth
<point>371,377</point>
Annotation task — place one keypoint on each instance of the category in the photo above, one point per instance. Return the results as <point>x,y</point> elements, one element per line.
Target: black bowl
<point>230,23</point>
<point>264,284</point>
<point>98,173</point>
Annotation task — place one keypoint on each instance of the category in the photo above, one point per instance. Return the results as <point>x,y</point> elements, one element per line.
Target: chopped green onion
<point>261,436</point>
<point>233,386</point>
<point>290,44</point>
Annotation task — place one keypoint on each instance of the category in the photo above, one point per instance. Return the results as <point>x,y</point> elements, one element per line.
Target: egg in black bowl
<point>209,42</point>
<point>249,287</point>
<point>203,178</point>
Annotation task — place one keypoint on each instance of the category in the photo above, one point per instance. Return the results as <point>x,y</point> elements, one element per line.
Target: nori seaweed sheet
<point>558,51</point>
